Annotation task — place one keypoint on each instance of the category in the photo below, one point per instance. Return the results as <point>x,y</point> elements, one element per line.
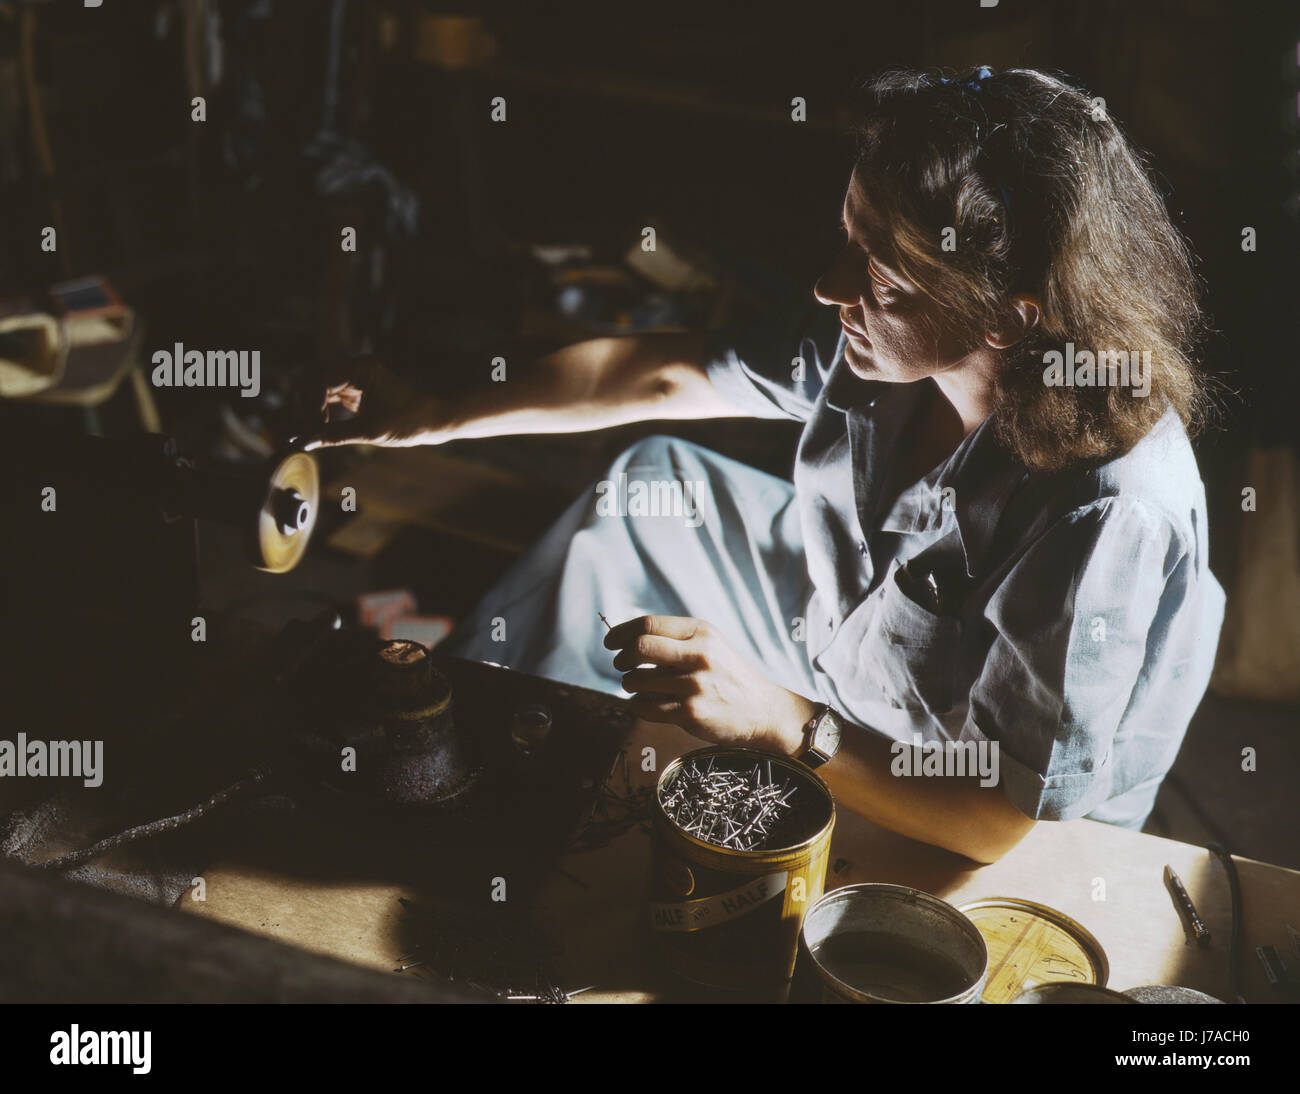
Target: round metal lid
<point>1031,944</point>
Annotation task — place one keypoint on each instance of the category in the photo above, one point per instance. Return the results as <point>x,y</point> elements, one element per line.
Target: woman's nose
<point>836,286</point>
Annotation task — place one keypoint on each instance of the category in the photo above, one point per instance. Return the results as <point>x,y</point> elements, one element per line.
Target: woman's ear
<point>1020,318</point>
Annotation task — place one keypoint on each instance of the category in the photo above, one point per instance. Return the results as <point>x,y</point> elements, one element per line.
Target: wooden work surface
<point>592,902</point>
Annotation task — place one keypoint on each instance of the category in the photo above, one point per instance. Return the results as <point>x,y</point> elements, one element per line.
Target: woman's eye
<point>881,293</point>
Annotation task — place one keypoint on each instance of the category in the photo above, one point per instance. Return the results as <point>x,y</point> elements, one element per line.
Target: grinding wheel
<point>287,515</point>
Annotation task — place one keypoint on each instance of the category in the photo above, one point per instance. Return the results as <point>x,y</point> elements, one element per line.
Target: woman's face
<point>894,331</point>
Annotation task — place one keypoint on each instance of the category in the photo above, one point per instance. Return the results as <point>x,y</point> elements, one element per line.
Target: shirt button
<point>862,549</point>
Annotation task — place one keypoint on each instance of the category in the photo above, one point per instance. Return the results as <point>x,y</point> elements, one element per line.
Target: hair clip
<point>981,74</point>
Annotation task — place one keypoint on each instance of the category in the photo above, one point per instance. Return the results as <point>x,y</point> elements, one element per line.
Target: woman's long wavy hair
<point>1045,195</point>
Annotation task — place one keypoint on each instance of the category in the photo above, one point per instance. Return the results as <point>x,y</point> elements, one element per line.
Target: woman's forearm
<point>591,385</point>
<point>955,813</point>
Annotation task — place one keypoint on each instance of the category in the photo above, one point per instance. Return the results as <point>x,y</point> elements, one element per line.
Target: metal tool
<point>1186,909</point>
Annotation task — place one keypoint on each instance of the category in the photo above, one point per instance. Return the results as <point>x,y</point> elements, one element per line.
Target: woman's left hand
<point>683,672</point>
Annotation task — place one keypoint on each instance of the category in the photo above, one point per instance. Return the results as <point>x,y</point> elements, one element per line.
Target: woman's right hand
<point>384,409</point>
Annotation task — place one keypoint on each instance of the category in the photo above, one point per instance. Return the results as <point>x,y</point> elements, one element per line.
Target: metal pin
<point>728,807</point>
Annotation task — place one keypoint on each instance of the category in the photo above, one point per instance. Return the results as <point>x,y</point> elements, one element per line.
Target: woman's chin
<point>861,363</point>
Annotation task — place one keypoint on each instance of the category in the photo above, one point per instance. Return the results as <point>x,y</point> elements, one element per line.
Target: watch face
<point>826,737</point>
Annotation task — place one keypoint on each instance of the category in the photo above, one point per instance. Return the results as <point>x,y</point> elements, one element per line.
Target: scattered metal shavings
<point>618,807</point>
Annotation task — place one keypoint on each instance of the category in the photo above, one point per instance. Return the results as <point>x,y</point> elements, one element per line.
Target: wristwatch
<point>821,737</point>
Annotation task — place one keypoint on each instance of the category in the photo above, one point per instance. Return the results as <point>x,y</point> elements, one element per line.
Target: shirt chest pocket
<point>910,653</point>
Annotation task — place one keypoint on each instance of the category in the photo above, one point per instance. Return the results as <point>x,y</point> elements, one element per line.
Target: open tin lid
<point>1031,944</point>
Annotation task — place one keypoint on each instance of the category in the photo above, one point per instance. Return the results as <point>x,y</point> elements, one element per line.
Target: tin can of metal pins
<point>742,839</point>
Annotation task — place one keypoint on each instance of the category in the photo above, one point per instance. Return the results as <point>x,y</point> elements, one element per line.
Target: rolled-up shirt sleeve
<point>775,366</point>
<point>1074,619</point>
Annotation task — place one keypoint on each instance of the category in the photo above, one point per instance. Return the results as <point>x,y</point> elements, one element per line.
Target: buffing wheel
<point>287,514</point>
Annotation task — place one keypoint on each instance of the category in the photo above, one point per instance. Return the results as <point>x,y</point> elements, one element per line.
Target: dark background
<point>225,233</point>
<point>676,115</point>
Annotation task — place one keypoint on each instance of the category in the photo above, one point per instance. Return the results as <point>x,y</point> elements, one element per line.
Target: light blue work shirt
<point>1078,616</point>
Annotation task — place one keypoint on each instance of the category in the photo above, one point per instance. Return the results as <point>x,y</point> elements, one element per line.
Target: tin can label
<point>712,911</point>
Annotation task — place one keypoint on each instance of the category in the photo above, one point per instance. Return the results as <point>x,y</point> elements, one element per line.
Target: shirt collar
<point>982,472</point>
<point>846,391</point>
<point>983,475</point>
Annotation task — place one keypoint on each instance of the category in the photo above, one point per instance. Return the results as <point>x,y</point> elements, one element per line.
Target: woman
<point>996,533</point>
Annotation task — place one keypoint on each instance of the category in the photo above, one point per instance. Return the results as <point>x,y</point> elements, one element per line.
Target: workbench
<point>306,889</point>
